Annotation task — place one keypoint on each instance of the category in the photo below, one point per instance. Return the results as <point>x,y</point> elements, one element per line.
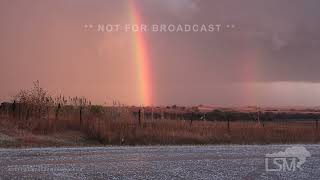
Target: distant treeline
<point>219,115</point>
<point>264,116</point>
<point>216,115</point>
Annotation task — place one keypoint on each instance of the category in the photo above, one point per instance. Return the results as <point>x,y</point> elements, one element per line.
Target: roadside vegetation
<point>36,118</point>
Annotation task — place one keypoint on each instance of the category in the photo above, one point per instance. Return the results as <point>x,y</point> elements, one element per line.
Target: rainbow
<point>251,68</point>
<point>141,56</point>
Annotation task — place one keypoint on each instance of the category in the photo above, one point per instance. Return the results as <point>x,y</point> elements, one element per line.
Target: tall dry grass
<point>40,113</point>
<point>122,128</point>
<point>180,132</point>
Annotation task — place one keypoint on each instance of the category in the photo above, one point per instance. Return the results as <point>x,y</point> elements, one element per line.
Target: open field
<point>34,118</point>
<point>41,133</point>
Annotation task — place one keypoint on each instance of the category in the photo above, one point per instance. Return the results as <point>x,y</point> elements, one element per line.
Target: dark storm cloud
<point>280,38</point>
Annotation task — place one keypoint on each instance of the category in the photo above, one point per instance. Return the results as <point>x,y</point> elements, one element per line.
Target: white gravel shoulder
<point>153,162</point>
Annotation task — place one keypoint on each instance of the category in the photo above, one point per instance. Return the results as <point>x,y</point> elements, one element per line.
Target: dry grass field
<point>99,131</point>
<point>37,119</point>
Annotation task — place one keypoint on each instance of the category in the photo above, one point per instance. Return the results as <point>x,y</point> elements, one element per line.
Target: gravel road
<point>156,162</point>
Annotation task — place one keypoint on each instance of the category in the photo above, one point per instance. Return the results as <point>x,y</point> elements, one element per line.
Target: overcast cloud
<point>273,42</point>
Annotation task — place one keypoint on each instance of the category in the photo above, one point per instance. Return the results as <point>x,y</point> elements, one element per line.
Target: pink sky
<point>271,58</point>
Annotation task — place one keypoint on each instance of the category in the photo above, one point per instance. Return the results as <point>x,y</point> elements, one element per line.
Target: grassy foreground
<point>37,119</point>
<point>98,132</point>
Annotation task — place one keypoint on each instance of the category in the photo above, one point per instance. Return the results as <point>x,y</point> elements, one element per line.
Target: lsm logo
<point>291,159</point>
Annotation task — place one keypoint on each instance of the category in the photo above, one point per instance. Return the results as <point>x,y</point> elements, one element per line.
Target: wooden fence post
<point>13,109</point>
<point>56,116</point>
<point>262,122</point>
<point>191,120</point>
<point>139,117</point>
<point>152,114</point>
<point>80,116</point>
<point>57,112</point>
<point>227,118</point>
<point>228,124</point>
